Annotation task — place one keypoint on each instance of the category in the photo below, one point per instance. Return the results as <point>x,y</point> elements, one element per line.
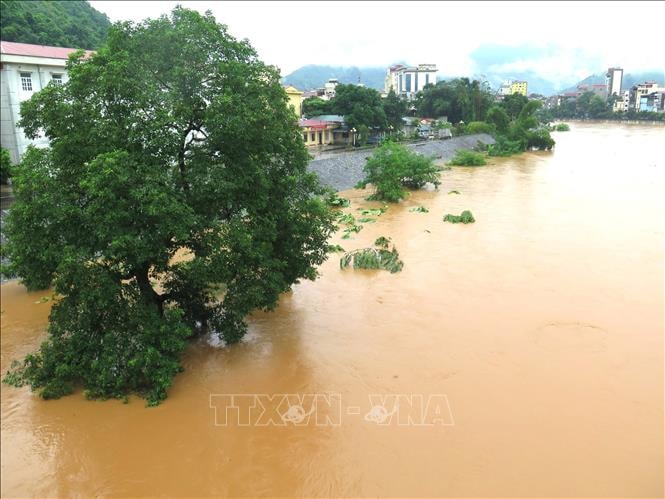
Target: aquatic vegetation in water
<point>453,192</point>
<point>335,201</point>
<point>335,248</point>
<point>367,220</point>
<point>380,257</point>
<point>353,229</point>
<point>464,157</point>
<point>419,209</point>
<point>560,127</point>
<point>465,218</point>
<point>373,212</point>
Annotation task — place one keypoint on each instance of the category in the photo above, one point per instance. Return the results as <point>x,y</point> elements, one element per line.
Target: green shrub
<point>453,192</point>
<point>465,218</point>
<point>480,127</point>
<point>419,209</point>
<point>561,127</point>
<point>464,157</point>
<point>393,167</point>
<point>5,165</point>
<point>539,139</point>
<point>380,257</point>
<point>332,199</point>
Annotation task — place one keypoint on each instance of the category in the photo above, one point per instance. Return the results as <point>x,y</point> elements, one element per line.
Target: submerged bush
<point>380,257</point>
<point>560,127</point>
<point>464,157</point>
<point>419,209</point>
<point>453,192</point>
<point>393,167</point>
<point>464,218</point>
<point>333,200</point>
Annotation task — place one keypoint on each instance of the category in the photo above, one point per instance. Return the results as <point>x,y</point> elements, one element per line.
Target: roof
<point>330,117</point>
<point>28,49</point>
<point>290,89</point>
<point>316,124</point>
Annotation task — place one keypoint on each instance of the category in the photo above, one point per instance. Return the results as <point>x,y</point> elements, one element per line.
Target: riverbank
<point>345,169</point>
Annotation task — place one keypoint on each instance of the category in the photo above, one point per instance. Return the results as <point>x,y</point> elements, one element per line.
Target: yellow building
<point>295,99</point>
<point>317,132</point>
<point>519,87</point>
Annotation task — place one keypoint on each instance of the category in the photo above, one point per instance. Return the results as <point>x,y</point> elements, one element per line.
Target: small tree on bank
<point>174,200</point>
<point>393,167</point>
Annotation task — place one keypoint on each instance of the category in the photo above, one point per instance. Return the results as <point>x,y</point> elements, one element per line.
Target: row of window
<point>26,80</point>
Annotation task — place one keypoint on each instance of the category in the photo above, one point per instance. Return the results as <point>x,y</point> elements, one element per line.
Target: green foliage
<point>560,127</point>
<point>460,100</point>
<point>464,157</point>
<point>173,138</point>
<point>333,200</point>
<point>513,105</point>
<point>465,218</point>
<point>361,107</point>
<point>380,257</point>
<point>393,167</point>
<point>315,106</point>
<point>539,139</point>
<point>62,24</point>
<point>5,166</point>
<point>419,209</point>
<point>453,192</point>
<point>375,212</point>
<point>346,218</point>
<point>394,109</point>
<point>480,127</point>
<point>498,117</point>
<point>335,248</point>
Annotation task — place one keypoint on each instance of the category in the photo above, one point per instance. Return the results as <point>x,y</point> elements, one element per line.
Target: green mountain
<point>61,24</point>
<point>314,76</point>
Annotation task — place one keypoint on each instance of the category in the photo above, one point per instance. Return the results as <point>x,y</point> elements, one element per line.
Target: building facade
<point>24,70</point>
<point>614,80</point>
<point>407,81</point>
<point>295,99</point>
<point>647,96</point>
<point>519,87</point>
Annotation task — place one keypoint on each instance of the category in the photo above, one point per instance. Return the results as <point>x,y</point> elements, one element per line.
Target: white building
<point>24,70</point>
<point>407,81</point>
<point>329,88</point>
<point>614,78</point>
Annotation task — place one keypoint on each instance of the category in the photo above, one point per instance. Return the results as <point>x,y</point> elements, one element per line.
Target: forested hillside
<point>62,24</point>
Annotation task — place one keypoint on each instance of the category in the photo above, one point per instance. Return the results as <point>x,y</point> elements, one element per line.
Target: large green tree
<point>394,109</point>
<point>315,106</point>
<point>73,23</point>
<point>360,106</point>
<point>174,200</point>
<point>459,99</point>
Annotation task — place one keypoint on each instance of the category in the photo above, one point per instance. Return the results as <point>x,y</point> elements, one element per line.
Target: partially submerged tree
<point>393,167</point>
<point>174,200</point>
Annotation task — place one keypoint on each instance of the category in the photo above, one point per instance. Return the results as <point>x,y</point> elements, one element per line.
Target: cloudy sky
<point>557,40</point>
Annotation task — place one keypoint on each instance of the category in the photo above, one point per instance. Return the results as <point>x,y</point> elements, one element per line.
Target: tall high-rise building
<point>614,78</point>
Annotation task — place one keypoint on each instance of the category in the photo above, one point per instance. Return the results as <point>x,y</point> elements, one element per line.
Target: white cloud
<point>292,34</point>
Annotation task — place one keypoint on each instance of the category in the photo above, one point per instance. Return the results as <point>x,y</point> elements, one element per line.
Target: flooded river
<point>533,339</point>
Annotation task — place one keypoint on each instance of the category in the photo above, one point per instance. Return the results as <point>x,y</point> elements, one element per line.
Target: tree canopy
<point>459,99</point>
<point>62,24</point>
<point>361,106</point>
<point>174,199</point>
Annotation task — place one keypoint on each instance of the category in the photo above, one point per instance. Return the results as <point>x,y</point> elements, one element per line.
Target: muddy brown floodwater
<point>537,332</point>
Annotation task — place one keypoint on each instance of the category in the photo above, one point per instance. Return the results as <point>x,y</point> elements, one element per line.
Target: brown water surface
<point>542,324</point>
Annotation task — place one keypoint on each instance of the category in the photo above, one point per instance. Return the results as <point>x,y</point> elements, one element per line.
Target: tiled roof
<point>28,49</point>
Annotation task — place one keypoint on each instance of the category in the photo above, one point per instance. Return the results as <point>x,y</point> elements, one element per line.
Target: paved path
<point>345,169</point>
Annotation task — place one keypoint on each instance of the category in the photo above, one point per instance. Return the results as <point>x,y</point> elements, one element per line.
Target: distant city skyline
<point>554,40</point>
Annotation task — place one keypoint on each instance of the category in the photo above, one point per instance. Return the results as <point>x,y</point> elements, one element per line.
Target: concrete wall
<point>11,137</point>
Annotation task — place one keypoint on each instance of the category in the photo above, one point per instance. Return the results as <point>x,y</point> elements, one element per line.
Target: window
<point>408,82</point>
<point>312,137</point>
<point>56,79</point>
<point>304,137</point>
<point>26,82</point>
